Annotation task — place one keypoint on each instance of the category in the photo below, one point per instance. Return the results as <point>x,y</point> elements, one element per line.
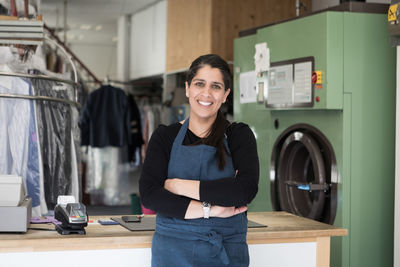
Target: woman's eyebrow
<point>218,83</point>
<point>202,80</point>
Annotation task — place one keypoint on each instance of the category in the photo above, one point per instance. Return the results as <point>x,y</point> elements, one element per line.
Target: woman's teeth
<point>205,103</point>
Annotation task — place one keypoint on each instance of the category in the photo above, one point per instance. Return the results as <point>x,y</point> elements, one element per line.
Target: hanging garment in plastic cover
<point>19,153</point>
<point>110,177</point>
<point>59,137</point>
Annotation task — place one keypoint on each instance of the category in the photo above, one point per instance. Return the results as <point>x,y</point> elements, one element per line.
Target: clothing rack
<point>46,98</point>
<point>37,76</point>
<point>47,182</point>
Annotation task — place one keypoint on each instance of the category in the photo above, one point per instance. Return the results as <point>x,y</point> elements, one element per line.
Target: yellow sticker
<point>319,77</point>
<point>392,12</point>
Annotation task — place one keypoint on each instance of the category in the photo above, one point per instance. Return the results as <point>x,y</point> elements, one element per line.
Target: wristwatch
<point>206,208</point>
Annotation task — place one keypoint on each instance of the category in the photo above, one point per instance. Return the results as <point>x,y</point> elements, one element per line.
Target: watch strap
<point>206,209</point>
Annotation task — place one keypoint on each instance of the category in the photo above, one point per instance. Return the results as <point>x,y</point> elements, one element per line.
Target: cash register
<point>15,205</point>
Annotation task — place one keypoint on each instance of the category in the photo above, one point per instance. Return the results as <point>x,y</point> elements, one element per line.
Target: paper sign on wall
<point>248,90</point>
<point>261,57</point>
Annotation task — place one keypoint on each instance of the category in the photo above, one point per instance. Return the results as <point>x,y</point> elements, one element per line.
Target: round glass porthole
<point>303,174</point>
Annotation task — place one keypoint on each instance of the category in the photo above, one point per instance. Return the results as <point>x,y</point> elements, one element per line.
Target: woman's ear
<point>187,89</point>
<point>226,95</point>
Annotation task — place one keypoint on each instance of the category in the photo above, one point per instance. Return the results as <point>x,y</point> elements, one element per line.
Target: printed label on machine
<point>290,83</point>
<point>302,89</point>
<point>280,85</point>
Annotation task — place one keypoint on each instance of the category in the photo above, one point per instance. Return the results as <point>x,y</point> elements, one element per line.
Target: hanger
<point>106,80</point>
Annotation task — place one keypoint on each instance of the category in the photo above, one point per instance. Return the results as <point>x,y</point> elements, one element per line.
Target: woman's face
<point>206,93</point>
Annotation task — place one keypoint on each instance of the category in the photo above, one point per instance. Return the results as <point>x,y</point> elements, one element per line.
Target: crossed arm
<point>182,198</point>
<point>190,189</point>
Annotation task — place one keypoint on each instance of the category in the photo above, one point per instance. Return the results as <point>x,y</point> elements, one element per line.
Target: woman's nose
<point>207,90</point>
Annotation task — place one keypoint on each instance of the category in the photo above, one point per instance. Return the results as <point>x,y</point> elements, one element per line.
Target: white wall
<point>123,47</point>
<point>99,58</point>
<point>148,41</point>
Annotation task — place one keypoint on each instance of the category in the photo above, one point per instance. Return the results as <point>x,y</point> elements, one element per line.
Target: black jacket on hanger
<point>105,118</point>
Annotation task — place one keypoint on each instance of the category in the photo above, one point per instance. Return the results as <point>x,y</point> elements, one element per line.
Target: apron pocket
<point>238,254</point>
<point>168,251</point>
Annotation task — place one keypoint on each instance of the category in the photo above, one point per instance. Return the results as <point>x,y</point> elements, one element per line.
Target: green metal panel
<point>356,113</point>
<point>314,35</point>
<point>258,120</point>
<point>369,74</point>
<point>333,83</point>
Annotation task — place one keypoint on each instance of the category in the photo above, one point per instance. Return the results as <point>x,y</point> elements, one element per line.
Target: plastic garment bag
<point>75,155</point>
<point>18,137</point>
<point>55,123</point>
<point>33,172</point>
<point>109,177</point>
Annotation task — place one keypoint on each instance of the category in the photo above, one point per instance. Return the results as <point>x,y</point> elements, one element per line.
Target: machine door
<point>304,174</point>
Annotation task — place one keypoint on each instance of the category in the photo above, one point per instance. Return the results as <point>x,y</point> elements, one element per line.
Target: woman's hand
<point>225,212</point>
<point>169,185</point>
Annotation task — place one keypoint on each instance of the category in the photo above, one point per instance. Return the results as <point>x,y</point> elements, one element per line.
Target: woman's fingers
<point>225,212</point>
<point>240,209</point>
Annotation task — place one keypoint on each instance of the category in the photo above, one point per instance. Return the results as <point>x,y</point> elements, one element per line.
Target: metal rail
<point>44,98</point>
<point>37,76</point>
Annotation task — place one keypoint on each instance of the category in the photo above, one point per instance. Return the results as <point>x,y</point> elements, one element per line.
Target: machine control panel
<point>290,84</point>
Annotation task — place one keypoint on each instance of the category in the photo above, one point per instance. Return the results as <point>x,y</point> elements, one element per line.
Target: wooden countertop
<point>287,225</point>
<point>281,225</point>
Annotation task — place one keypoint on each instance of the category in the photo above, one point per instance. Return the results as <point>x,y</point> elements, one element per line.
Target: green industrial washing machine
<point>328,154</point>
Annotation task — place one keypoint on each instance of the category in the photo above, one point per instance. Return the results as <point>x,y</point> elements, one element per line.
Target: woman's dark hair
<point>215,136</point>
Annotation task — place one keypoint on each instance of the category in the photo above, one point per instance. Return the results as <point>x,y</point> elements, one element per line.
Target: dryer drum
<point>303,170</point>
<point>301,162</point>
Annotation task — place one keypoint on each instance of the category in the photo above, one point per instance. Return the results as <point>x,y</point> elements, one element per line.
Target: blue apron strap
<point>179,138</point>
<point>182,132</point>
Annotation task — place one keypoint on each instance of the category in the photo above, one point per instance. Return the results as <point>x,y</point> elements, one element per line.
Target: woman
<point>199,175</point>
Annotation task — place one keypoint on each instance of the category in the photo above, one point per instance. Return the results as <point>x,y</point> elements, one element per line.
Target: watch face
<point>205,204</point>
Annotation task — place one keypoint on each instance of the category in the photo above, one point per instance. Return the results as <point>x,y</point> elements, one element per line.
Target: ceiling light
<point>86,27</point>
<point>98,27</point>
<point>70,36</point>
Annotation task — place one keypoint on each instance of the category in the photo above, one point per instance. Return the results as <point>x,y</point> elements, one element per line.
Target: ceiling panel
<point>90,21</point>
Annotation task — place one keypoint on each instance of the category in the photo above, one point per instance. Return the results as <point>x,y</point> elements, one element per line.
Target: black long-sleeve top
<point>228,191</point>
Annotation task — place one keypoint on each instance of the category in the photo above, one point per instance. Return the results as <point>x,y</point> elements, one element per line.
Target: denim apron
<point>199,242</point>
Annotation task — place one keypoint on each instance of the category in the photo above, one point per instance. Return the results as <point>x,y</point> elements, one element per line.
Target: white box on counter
<point>12,190</point>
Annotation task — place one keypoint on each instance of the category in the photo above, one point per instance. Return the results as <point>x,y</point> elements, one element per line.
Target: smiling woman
<point>199,175</point>
<point>207,87</point>
<point>206,94</point>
